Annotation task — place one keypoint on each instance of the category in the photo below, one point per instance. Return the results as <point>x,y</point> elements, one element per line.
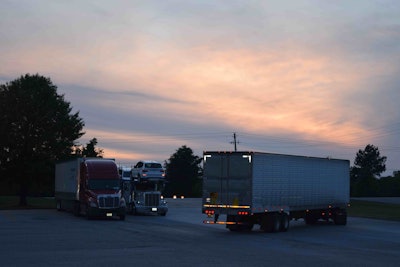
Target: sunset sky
<point>314,78</point>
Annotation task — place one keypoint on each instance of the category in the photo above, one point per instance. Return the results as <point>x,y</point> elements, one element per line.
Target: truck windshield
<point>103,184</point>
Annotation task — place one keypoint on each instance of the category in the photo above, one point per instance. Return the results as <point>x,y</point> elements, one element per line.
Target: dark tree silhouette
<point>182,170</point>
<point>368,165</point>
<point>369,162</point>
<point>37,128</point>
<point>89,150</point>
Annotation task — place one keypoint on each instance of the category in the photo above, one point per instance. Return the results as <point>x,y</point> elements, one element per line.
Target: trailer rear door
<point>227,179</point>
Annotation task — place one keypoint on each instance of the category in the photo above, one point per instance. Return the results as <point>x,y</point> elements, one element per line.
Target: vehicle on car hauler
<point>271,189</point>
<point>148,171</point>
<point>89,186</point>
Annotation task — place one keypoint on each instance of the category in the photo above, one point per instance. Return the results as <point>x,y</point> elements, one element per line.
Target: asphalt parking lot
<point>51,238</point>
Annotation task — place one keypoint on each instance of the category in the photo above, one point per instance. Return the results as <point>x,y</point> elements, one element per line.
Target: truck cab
<point>99,189</point>
<point>89,186</point>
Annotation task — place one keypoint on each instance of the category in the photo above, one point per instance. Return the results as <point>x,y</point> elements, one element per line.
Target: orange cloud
<point>261,90</point>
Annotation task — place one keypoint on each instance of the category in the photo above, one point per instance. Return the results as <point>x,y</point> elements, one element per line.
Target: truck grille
<point>107,202</point>
<point>152,199</point>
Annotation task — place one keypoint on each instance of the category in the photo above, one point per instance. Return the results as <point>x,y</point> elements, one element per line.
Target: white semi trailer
<point>271,189</point>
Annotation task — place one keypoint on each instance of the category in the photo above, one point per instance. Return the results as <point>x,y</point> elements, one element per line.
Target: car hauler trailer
<point>271,189</point>
<point>89,186</point>
<point>143,196</point>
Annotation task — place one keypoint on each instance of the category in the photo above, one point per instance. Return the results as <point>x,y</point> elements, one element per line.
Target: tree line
<point>365,179</point>
<point>38,128</point>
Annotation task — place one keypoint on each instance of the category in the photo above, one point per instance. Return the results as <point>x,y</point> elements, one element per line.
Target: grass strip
<point>11,202</point>
<point>374,210</point>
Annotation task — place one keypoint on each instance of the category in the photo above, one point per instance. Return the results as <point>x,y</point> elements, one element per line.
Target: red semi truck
<point>89,186</point>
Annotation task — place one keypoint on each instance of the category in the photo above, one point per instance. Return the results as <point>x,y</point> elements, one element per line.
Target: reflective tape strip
<point>225,206</point>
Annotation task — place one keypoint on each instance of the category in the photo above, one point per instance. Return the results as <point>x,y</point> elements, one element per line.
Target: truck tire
<point>276,222</point>
<point>285,221</point>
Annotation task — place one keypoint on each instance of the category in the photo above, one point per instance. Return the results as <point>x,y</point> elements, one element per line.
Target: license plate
<point>153,209</point>
<point>109,214</point>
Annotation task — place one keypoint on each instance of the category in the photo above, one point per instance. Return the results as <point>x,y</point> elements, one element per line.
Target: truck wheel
<point>284,222</point>
<point>276,222</point>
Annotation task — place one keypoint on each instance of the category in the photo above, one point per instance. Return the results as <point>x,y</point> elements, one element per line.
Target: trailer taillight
<point>243,213</point>
<point>209,212</point>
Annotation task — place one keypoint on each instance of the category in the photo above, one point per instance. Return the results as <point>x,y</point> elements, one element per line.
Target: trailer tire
<point>276,222</point>
<point>285,222</point>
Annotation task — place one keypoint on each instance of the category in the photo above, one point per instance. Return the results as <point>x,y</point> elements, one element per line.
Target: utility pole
<point>234,141</point>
